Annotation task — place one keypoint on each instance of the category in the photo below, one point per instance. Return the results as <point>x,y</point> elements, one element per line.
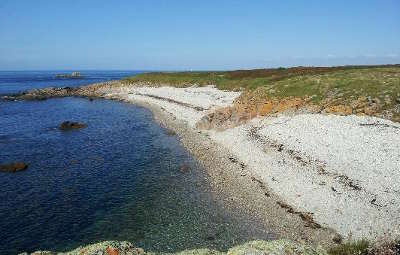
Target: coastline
<point>350,184</point>
<point>239,179</point>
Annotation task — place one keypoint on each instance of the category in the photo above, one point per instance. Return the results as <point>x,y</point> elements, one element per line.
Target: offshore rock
<point>70,125</point>
<point>13,167</point>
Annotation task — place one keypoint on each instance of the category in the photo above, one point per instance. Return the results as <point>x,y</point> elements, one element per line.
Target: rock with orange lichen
<point>111,251</point>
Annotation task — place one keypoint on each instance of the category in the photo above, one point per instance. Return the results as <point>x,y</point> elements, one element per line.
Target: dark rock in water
<point>69,125</point>
<point>13,167</point>
<point>210,238</point>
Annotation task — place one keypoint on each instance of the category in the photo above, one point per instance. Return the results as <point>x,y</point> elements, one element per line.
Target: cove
<point>122,178</point>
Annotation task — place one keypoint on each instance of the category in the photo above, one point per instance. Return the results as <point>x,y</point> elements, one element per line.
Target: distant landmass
<point>71,75</point>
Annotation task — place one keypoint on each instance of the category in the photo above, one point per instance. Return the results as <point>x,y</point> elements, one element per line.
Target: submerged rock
<point>170,132</point>
<point>13,167</point>
<point>184,168</point>
<point>276,247</point>
<point>69,125</point>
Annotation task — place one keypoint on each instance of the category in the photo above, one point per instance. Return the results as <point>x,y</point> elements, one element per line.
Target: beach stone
<point>13,167</point>
<point>69,125</point>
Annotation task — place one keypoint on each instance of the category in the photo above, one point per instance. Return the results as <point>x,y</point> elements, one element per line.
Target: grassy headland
<point>295,81</point>
<point>370,90</point>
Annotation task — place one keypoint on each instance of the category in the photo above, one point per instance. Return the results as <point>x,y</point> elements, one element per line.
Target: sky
<point>196,35</point>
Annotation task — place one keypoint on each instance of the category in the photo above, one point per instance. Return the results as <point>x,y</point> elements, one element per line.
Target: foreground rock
<point>70,125</point>
<point>13,167</point>
<point>277,247</point>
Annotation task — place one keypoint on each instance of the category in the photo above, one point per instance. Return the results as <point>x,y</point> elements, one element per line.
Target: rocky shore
<point>314,178</point>
<point>93,90</point>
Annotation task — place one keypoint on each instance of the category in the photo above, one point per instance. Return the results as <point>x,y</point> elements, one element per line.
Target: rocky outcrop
<point>42,94</point>
<point>244,110</point>
<point>277,247</point>
<point>13,167</point>
<point>90,91</point>
<point>71,125</point>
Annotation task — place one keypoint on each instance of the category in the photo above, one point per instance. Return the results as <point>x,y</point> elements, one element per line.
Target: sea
<point>123,177</point>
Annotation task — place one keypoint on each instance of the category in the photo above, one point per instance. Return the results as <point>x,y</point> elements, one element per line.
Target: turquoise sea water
<point>118,179</point>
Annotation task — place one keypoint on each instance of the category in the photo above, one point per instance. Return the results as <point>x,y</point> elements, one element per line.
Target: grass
<point>252,79</point>
<point>363,247</point>
<point>350,248</point>
<point>344,84</point>
<point>178,79</point>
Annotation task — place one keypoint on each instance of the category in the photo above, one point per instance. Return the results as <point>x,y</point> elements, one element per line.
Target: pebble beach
<point>341,170</point>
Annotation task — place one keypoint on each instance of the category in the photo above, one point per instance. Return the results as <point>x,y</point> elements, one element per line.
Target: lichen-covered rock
<point>276,247</point>
<point>103,248</point>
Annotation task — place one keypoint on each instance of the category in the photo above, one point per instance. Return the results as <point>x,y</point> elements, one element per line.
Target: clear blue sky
<point>198,34</point>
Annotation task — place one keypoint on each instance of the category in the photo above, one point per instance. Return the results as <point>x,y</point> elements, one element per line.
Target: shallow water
<point>118,179</point>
